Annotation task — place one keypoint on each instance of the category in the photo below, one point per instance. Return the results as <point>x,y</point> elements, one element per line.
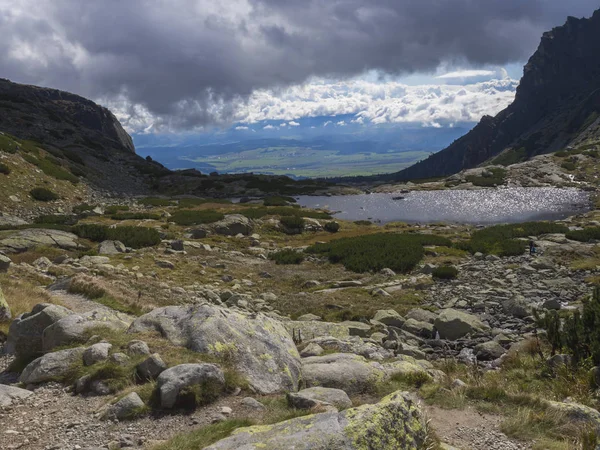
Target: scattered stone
<point>488,351</point>
<point>5,263</point>
<point>11,394</point>
<point>5,313</point>
<point>137,348</point>
<point>111,248</point>
<point>453,324</point>
<point>164,264</point>
<point>126,408</point>
<point>232,225</point>
<point>308,317</point>
<point>252,403</point>
<point>151,367</point>
<point>312,349</point>
<point>96,353</point>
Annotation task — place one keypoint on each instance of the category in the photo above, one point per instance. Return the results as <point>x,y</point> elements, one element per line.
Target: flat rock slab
<point>37,237</point>
<point>11,394</point>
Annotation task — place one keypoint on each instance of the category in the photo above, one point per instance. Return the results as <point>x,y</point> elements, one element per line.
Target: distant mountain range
<point>557,105</point>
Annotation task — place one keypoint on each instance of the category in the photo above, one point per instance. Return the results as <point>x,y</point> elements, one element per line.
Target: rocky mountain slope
<point>82,137</point>
<point>557,105</point>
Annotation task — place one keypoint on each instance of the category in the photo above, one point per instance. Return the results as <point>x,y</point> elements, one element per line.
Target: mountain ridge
<point>557,103</point>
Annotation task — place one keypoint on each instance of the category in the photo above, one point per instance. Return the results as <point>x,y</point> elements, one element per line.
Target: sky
<point>185,66</point>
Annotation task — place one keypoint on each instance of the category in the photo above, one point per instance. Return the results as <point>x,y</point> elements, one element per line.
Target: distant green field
<point>306,162</point>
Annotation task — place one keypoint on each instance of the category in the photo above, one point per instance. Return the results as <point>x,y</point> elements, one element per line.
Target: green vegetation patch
<point>56,220</point>
<point>490,178</point>
<point>503,240</point>
<point>135,216</point>
<point>203,437</point>
<point>445,273</point>
<point>191,202</point>
<point>585,235</point>
<point>4,169</point>
<point>50,166</point>
<point>154,201</point>
<point>512,156</point>
<point>278,201</point>
<point>115,209</point>
<point>188,217</point>
<point>332,227</point>
<point>399,252</point>
<point>134,237</point>
<point>287,256</point>
<point>293,224</point>
<point>43,195</point>
<point>260,212</point>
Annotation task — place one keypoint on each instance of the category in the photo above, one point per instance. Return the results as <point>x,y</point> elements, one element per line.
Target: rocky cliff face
<point>76,135</point>
<point>58,118</point>
<point>557,104</point>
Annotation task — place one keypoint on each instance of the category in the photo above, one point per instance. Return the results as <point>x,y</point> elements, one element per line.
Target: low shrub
<point>363,223</point>
<point>491,177</point>
<point>188,217</point>
<point>115,209</point>
<point>372,253</point>
<point>50,166</point>
<point>135,216</point>
<point>332,227</point>
<point>503,240</point>
<point>445,273</point>
<point>43,195</point>
<point>83,208</point>
<point>56,220</point>
<point>4,169</point>
<point>293,224</point>
<point>154,201</point>
<point>585,235</point>
<point>562,153</point>
<point>287,257</point>
<point>134,237</point>
<point>260,212</point>
<point>568,165</point>
<point>191,202</point>
<point>278,201</point>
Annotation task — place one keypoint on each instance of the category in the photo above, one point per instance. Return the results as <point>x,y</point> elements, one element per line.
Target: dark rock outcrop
<point>557,105</point>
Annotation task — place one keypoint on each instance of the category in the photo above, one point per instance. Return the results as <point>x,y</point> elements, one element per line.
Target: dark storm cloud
<point>189,61</point>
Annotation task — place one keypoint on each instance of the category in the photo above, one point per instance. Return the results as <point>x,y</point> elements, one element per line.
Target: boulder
<point>38,237</point>
<point>11,394</point>
<point>312,349</point>
<point>308,317</point>
<point>453,324</point>
<point>406,367</point>
<point>137,347</point>
<point>577,413</point>
<point>96,353</point>
<point>517,307</point>
<point>5,263</point>
<point>389,317</point>
<point>259,347</point>
<point>151,367</point>
<point>357,328</point>
<point>421,315</point>
<point>164,264</point>
<point>26,331</point>
<point>126,408</point>
<point>354,345</point>
<point>318,396</point>
<point>73,328</point>
<point>393,423</point>
<point>5,313</point>
<point>488,351</point>
<point>173,380</point>
<point>198,233</point>
<point>352,373</point>
<point>51,366</point>
<point>422,329</point>
<point>111,248</point>
<point>232,225</point>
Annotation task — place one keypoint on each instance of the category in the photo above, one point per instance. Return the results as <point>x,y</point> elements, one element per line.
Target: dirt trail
<point>469,429</point>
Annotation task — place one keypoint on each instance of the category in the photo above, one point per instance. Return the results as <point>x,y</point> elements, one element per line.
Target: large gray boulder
<point>453,324</point>
<point>259,347</point>
<point>11,394</point>
<point>51,366</point>
<point>232,225</point>
<point>96,353</point>
<point>173,380</point>
<point>421,329</point>
<point>351,373</point>
<point>389,317</point>
<point>74,328</point>
<point>5,313</point>
<point>394,423</point>
<point>517,307</point>
<point>38,237</point>
<point>487,351</point>
<point>26,331</point>
<point>421,315</point>
<point>312,328</point>
<point>319,396</point>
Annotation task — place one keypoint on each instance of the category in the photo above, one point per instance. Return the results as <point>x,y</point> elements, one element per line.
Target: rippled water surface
<point>478,207</point>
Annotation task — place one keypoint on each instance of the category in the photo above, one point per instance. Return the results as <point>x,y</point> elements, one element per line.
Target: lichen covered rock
<point>258,346</point>
<point>392,424</point>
